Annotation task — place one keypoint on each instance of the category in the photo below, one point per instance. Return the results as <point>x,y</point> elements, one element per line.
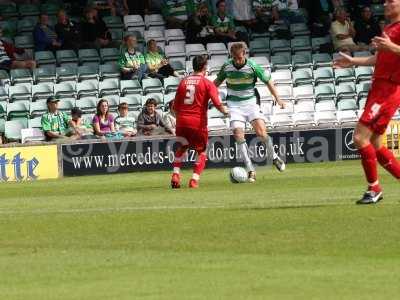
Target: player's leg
<point>243,149</point>
<point>200,145</point>
<point>362,140</point>
<point>261,132</point>
<point>386,157</point>
<point>179,157</point>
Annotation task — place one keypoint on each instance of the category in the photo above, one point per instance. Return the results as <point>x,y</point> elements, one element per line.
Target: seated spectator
<point>243,14</point>
<point>224,27</point>
<point>157,64</point>
<point>45,36</point>
<point>169,118</point>
<point>124,123</point>
<point>262,11</point>
<point>103,121</point>
<point>286,11</point>
<point>80,129</point>
<point>55,123</point>
<point>366,27</point>
<point>200,29</point>
<point>176,13</point>
<point>150,121</point>
<point>94,31</point>
<point>343,32</point>
<point>68,31</point>
<point>131,62</point>
<point>119,7</point>
<point>8,59</point>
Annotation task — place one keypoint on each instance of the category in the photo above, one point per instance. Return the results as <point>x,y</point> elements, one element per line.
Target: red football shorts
<point>382,103</point>
<point>193,138</point>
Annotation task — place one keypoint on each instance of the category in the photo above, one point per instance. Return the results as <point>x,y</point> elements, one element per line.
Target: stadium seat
<point>44,74</point>
<point>362,89</point>
<point>321,60</point>
<point>35,122</point>
<point>281,61</point>
<point>26,25</point>
<point>304,119</point>
<point>9,10</point>
<point>282,120</point>
<point>37,108</point>
<point>157,96</point>
<point>88,73</point>
<point>217,124</point>
<point>153,20</point>
<point>19,92</point>
<point>65,89</point>
<point>344,75</point>
<point>42,90</point>
<point>3,95</point>
<point>87,88</point>
<point>113,102</point>
<point>260,47</point>
<point>265,95</point>
<point>156,35</point>
<point>109,87</point>
<point>109,70</point>
<point>133,21</point>
<point>277,46</point>
<point>363,73</point>
<point>171,84</point>
<point>116,35</point>
<point>152,85</point>
<point>282,77</point>
<point>299,29</point>
<point>130,87</point>
<point>175,51</point>
<point>178,66</point>
<point>192,50</point>
<point>217,50</point>
<point>13,129</point>
<point>27,10</point>
<point>323,75</point>
<point>21,76</point>
<point>325,118</point>
<point>173,35</point>
<point>134,101</point>
<point>261,61</point>
<point>362,102</point>
<point>214,65</point>
<point>318,41</point>
<point>347,104</point>
<point>304,106</point>
<point>66,104</point>
<point>300,44</point>
<point>346,116</point>
<point>301,60</point>
<point>285,92</point>
<point>168,98</point>
<point>109,54</point>
<point>19,109</point>
<point>88,55</point>
<point>87,105</point>
<point>345,91</point>
<point>50,7</point>
<point>328,105</point>
<point>113,22</point>
<point>324,92</point>
<point>304,92</point>
<point>289,109</point>
<point>67,73</point>
<point>302,76</point>
<point>24,41</point>
<point>66,57</point>
<point>4,77</point>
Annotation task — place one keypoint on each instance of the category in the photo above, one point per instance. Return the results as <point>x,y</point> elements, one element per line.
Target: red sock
<point>388,161</point>
<point>177,164</point>
<point>200,164</point>
<point>368,161</point>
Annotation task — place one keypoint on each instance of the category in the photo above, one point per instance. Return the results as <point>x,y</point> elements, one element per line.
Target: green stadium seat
<point>168,98</point>
<point>345,91</point>
<point>13,129</point>
<point>88,73</point>
<point>300,44</point>
<point>130,87</point>
<point>259,46</point>
<point>362,102</point>
<point>321,60</point>
<point>378,9</point>
<point>324,92</point>
<point>26,25</point>
<point>178,66</point>
<point>3,95</point>
<point>66,104</point>
<point>301,60</point>
<point>45,58</point>
<point>35,123</point>
<point>134,101</point>
<point>88,55</point>
<point>281,61</point>
<point>65,89</point>
<point>2,126</point>
<point>347,104</point>
<point>87,88</point>
<point>24,41</point>
<point>109,87</point>
<point>113,102</point>
<point>66,56</point>
<point>109,70</point>
<point>19,109</point>
<point>44,74</point>
<point>363,73</point>
<point>26,10</point>
<point>117,35</point>
<point>277,46</point>
<point>323,75</point>
<point>152,85</point>
<point>302,76</point>
<point>344,75</point>
<point>109,54</point>
<point>9,10</point>
<point>42,90</point>
<point>87,105</point>
<point>318,41</point>
<point>37,108</point>
<point>21,76</point>
<point>3,110</point>
<point>4,77</point>
<point>171,84</point>
<point>67,73</point>
<point>50,8</point>
<point>20,92</point>
<point>113,22</point>
<point>362,89</point>
<point>299,29</point>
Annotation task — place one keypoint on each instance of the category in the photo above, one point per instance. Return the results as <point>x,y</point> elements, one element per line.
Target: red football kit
<point>191,106</point>
<point>384,95</point>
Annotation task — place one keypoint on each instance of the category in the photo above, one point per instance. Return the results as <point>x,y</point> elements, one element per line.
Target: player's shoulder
<point>393,30</point>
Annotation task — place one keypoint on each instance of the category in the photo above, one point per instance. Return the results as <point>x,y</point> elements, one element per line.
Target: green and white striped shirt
<point>241,82</point>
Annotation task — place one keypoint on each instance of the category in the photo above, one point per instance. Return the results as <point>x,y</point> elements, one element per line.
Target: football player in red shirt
<point>191,106</point>
<point>382,103</point>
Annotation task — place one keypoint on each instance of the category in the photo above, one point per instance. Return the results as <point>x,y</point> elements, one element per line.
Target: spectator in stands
<point>382,24</point>
<point>150,121</point>
<point>45,36</point>
<point>157,64</point>
<point>124,123</point>
<point>131,62</point>
<point>68,31</point>
<point>94,31</point>
<point>286,11</point>
<point>224,26</point>
<point>200,29</point>
<point>80,129</point>
<point>262,11</point>
<point>319,16</point>
<point>176,13</point>
<point>103,121</point>
<point>169,118</point>
<point>8,59</point>
<point>243,14</point>
<point>55,123</point>
<point>343,32</point>
<point>366,27</point>
<point>119,7</point>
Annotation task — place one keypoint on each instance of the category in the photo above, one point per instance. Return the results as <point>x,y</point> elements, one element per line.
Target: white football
<point>238,175</point>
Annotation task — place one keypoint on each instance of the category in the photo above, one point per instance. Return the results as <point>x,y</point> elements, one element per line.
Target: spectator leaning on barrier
<point>44,35</point>
<point>55,123</point>
<point>79,127</point>
<point>124,123</point>
<point>7,56</point>
<point>103,121</point>
<point>131,62</point>
<point>157,64</point>
<point>150,121</point>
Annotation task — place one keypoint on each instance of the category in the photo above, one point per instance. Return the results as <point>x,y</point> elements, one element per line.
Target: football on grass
<point>238,175</point>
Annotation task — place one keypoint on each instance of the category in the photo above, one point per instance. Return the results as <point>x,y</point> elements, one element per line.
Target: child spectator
<point>124,123</point>
<point>103,121</point>
<point>80,129</point>
<point>150,121</point>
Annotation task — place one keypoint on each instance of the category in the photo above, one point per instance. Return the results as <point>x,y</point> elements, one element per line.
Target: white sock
<point>270,147</point>
<point>177,170</point>
<point>244,151</point>
<point>196,176</point>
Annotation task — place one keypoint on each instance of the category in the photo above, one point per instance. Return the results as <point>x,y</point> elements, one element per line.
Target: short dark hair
<point>75,111</point>
<point>218,3</point>
<point>199,62</point>
<point>151,101</point>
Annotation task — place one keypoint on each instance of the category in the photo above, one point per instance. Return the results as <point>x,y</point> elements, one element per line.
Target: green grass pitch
<point>295,235</point>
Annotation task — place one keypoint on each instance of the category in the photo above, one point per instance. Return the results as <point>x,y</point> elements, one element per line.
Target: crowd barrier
<point>35,162</point>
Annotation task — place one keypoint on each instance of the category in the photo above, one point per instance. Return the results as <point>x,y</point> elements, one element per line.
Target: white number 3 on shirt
<point>189,97</point>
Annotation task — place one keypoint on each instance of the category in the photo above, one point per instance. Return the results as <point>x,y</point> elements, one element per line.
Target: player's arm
<point>220,76</point>
<point>347,61</point>
<point>266,78</point>
<point>216,100</point>
<point>384,43</point>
